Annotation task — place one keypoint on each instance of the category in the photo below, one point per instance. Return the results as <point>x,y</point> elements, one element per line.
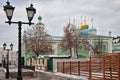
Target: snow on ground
<point>16,70</point>
<point>56,73</point>
<point>65,75</point>
<point>71,76</point>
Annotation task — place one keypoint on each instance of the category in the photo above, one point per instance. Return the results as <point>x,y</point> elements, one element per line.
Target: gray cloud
<point>55,13</point>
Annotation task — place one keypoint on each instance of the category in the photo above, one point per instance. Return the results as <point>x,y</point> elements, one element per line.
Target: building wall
<point>116,47</point>
<point>110,46</point>
<point>107,41</point>
<point>116,44</point>
<point>13,58</point>
<point>1,54</point>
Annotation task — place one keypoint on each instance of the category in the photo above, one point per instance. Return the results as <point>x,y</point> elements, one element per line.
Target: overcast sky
<point>56,14</point>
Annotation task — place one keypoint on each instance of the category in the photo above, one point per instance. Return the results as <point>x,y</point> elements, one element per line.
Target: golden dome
<point>85,25</point>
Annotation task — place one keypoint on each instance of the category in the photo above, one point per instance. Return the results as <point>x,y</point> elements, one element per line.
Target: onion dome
<point>85,32</point>
<point>92,30</point>
<point>73,28</point>
<point>40,23</point>
<point>39,18</point>
<point>84,25</point>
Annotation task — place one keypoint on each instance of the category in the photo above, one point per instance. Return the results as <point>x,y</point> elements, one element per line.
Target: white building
<point>13,57</point>
<point>1,54</point>
<point>83,30</point>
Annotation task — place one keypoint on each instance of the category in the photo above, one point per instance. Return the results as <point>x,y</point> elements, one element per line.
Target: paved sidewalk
<point>57,76</point>
<point>25,79</point>
<point>41,75</point>
<point>2,73</point>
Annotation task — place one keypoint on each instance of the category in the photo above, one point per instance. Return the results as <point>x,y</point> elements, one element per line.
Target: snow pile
<point>71,76</point>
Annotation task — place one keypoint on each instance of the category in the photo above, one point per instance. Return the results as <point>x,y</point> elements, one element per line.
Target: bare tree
<point>67,41</point>
<point>99,47</point>
<point>37,41</point>
<point>72,40</point>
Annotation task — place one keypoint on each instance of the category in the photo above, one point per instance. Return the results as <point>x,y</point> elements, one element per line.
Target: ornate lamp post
<point>7,57</point>
<point>30,14</point>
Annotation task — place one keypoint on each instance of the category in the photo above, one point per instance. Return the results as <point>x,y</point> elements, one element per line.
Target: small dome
<point>85,32</point>
<point>80,26</point>
<point>40,23</point>
<point>39,18</point>
<point>92,29</point>
<point>73,28</point>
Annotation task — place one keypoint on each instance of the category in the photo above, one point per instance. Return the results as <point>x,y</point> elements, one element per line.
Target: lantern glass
<point>30,12</point>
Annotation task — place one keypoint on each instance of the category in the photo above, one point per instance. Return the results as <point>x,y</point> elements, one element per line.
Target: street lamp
<point>7,57</point>
<point>30,14</point>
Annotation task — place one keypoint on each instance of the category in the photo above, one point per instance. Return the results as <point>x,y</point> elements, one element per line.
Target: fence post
<point>78,68</point>
<point>103,67</point>
<point>119,65</point>
<point>110,68</point>
<point>57,67</point>
<point>70,67</point>
<point>63,68</point>
<point>90,63</point>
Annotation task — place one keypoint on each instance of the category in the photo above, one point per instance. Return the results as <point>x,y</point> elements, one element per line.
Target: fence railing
<point>29,67</point>
<point>105,67</point>
<point>74,67</point>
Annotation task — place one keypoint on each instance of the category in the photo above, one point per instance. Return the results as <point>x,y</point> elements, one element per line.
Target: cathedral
<point>83,30</point>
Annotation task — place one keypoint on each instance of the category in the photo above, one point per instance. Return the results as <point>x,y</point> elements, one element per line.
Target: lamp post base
<point>7,73</point>
<point>7,77</point>
<point>19,78</point>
